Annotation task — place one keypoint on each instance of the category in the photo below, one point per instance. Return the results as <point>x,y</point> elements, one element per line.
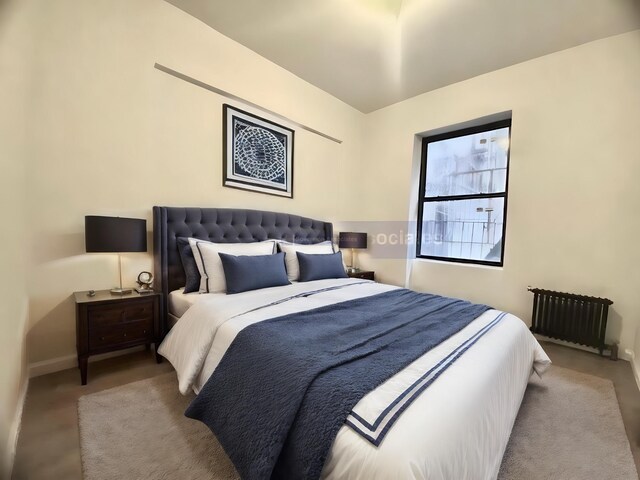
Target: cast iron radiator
<point>573,318</point>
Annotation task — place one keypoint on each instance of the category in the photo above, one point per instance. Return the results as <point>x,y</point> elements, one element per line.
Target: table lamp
<point>115,235</point>
<point>352,240</point>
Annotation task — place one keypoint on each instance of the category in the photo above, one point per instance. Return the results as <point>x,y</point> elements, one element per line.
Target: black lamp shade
<point>352,240</point>
<point>114,234</point>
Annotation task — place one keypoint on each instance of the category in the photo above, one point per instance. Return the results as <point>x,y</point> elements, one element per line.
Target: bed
<point>456,425</point>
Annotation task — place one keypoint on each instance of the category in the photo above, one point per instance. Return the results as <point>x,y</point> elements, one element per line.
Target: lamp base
<point>120,291</point>
<point>352,270</point>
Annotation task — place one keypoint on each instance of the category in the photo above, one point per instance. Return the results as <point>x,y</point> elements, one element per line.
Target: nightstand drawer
<point>367,275</point>
<point>124,333</point>
<point>106,315</point>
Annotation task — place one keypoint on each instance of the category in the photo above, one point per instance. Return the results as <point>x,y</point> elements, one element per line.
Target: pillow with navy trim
<point>244,273</point>
<point>209,265</point>
<point>192,283</point>
<point>319,267</point>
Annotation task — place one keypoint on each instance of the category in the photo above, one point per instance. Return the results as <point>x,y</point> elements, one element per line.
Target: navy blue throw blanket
<point>286,385</point>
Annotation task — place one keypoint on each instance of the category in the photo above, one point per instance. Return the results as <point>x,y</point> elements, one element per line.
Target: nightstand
<point>107,322</point>
<point>366,274</point>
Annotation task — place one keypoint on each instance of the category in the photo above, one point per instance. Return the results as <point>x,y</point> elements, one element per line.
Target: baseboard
<point>623,355</point>
<point>58,364</point>
<point>14,431</point>
<point>6,464</point>
<point>634,366</point>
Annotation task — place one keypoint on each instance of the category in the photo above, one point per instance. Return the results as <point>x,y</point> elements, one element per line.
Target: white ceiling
<point>372,53</point>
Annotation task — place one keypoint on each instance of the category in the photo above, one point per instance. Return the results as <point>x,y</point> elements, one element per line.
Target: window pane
<point>468,165</point>
<point>466,229</point>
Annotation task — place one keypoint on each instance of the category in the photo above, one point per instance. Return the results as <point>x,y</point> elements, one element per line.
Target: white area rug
<point>569,427</point>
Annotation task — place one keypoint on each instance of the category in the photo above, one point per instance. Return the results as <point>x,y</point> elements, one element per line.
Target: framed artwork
<point>257,153</point>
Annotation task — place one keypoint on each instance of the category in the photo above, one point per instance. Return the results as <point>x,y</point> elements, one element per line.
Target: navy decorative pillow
<point>320,266</point>
<point>192,284</point>
<point>252,272</point>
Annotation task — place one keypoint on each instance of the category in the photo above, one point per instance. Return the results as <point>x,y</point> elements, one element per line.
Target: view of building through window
<point>463,194</point>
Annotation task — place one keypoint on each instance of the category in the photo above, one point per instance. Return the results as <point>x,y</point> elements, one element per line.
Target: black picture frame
<point>257,154</point>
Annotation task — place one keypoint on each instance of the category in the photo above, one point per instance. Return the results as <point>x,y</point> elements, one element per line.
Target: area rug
<point>569,427</point>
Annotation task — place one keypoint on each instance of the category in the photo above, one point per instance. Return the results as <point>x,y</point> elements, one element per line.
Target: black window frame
<point>422,198</point>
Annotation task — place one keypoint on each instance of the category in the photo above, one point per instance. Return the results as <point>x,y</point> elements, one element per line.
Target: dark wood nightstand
<point>366,274</point>
<point>107,322</point>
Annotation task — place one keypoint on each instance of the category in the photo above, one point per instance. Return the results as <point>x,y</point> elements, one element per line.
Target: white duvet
<point>457,428</point>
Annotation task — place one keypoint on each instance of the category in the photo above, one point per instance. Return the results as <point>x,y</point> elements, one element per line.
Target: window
<point>463,194</point>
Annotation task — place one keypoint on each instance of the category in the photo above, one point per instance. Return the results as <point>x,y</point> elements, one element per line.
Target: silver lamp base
<point>120,291</point>
<point>352,268</point>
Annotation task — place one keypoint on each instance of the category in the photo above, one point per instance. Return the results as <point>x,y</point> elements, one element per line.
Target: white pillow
<point>212,278</point>
<point>291,259</point>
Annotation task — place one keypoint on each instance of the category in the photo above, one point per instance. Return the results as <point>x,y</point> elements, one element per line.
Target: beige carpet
<point>569,427</point>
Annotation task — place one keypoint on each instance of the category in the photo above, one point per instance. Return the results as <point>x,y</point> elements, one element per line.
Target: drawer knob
<point>101,338</point>
<point>125,334</point>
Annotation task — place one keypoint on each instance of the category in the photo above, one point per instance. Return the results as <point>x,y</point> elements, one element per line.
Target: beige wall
<point>573,213</point>
<point>112,135</point>
<point>109,134</point>
<point>14,47</point>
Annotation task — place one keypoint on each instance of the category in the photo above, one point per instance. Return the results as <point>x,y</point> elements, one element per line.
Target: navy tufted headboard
<point>220,225</point>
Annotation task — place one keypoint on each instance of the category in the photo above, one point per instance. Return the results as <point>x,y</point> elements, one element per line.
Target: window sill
<point>458,264</point>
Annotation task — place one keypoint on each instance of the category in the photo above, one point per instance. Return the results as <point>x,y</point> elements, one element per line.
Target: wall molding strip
<point>37,369</point>
<point>14,429</point>
<point>634,366</point>
<point>231,96</point>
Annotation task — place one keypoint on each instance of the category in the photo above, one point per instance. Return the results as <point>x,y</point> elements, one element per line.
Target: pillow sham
<point>192,282</point>
<point>244,273</point>
<point>209,265</point>
<point>319,267</point>
<point>291,260</point>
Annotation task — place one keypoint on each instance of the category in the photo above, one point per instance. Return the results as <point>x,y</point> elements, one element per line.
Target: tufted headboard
<point>220,225</point>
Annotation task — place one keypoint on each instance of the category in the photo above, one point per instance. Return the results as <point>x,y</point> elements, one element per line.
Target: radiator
<point>573,318</point>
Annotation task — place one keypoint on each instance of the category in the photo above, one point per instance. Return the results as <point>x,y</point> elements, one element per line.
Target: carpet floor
<point>569,427</point>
